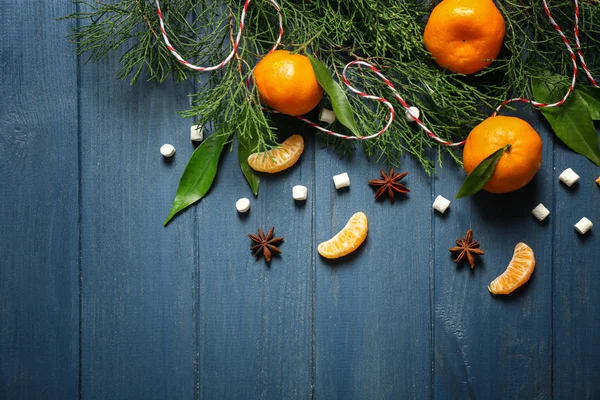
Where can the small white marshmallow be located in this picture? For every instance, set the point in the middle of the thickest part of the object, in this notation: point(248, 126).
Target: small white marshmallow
point(197, 133)
point(327, 116)
point(412, 113)
point(568, 177)
point(441, 204)
point(167, 150)
point(540, 212)
point(299, 192)
point(242, 205)
point(583, 225)
point(341, 180)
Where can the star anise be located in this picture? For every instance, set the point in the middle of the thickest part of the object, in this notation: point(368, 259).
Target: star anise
point(265, 245)
point(468, 248)
point(389, 184)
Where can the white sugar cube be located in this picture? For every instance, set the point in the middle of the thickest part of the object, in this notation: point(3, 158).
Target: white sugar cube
point(441, 204)
point(327, 116)
point(583, 225)
point(540, 212)
point(341, 180)
point(197, 133)
point(242, 205)
point(412, 113)
point(299, 192)
point(568, 177)
point(167, 150)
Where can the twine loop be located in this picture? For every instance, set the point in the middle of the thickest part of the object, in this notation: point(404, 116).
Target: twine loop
point(390, 85)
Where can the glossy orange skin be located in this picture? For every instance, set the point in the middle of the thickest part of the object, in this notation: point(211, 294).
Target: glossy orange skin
point(287, 82)
point(464, 36)
point(517, 166)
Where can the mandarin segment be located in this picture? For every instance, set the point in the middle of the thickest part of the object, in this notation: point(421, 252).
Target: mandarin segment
point(287, 82)
point(518, 272)
point(517, 166)
point(348, 239)
point(464, 36)
point(279, 158)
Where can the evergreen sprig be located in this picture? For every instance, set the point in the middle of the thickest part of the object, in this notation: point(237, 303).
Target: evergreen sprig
point(387, 33)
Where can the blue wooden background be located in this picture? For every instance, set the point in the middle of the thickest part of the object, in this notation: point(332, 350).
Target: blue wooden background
point(98, 300)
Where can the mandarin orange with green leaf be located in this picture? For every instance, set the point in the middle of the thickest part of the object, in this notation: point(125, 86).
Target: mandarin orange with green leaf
point(287, 82)
point(464, 36)
point(518, 164)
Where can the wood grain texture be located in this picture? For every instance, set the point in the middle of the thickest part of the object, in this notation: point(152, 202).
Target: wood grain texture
point(576, 280)
point(137, 276)
point(372, 308)
point(39, 311)
point(254, 320)
point(98, 300)
point(490, 346)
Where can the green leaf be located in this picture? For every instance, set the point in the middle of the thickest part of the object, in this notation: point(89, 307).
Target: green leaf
point(591, 96)
point(199, 174)
point(482, 173)
point(339, 101)
point(571, 122)
point(245, 148)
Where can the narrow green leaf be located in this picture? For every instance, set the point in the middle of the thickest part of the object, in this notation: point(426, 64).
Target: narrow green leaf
point(571, 122)
point(482, 173)
point(245, 148)
point(199, 174)
point(339, 101)
point(591, 96)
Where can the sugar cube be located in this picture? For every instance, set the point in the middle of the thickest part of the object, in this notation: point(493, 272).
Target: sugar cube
point(197, 133)
point(242, 205)
point(568, 177)
point(412, 113)
point(583, 225)
point(327, 116)
point(540, 212)
point(341, 180)
point(299, 192)
point(167, 150)
point(441, 204)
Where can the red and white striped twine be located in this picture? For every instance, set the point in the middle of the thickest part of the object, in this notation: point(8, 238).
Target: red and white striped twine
point(384, 79)
point(573, 59)
point(236, 43)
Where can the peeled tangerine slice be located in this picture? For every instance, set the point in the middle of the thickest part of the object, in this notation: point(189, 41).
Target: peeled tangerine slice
point(518, 272)
point(348, 239)
point(279, 158)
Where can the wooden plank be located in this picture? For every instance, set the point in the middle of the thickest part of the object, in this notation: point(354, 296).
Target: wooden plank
point(254, 321)
point(493, 346)
point(576, 298)
point(39, 310)
point(372, 308)
point(137, 322)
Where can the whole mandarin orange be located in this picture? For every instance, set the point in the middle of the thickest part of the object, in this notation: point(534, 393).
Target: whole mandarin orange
point(464, 36)
point(518, 165)
point(287, 82)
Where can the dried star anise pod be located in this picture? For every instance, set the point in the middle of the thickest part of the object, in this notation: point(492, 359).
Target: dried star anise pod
point(468, 248)
point(265, 245)
point(389, 184)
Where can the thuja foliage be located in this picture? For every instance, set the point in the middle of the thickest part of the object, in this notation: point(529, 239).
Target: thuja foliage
point(387, 33)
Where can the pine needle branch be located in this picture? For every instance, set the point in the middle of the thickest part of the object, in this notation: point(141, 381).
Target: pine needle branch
point(387, 33)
